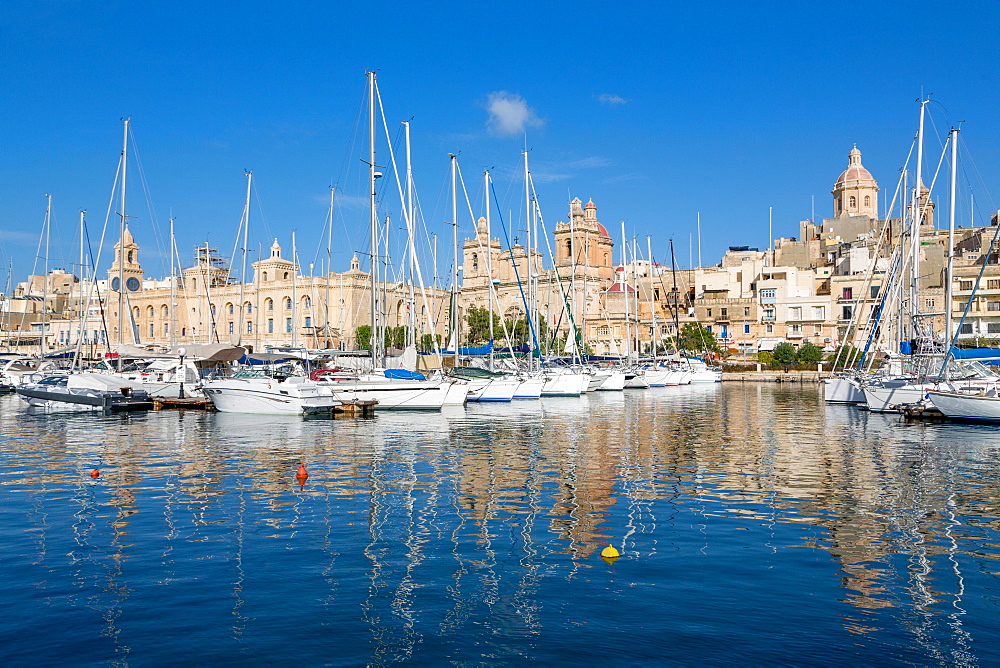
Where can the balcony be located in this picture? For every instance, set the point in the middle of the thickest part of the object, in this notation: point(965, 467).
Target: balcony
point(793, 335)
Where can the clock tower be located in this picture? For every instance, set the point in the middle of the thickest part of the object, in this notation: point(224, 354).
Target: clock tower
point(125, 272)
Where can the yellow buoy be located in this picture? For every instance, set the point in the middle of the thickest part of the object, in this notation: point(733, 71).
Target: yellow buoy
point(610, 553)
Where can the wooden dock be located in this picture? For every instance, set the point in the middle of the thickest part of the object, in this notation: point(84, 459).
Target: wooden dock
point(914, 412)
point(356, 408)
point(194, 404)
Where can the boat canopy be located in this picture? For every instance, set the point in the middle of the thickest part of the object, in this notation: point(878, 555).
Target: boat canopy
point(976, 353)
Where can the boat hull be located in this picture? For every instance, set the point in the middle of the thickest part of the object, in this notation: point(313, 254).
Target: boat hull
point(966, 407)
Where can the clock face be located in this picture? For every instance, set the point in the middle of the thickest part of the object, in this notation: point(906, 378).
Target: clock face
point(132, 283)
point(116, 283)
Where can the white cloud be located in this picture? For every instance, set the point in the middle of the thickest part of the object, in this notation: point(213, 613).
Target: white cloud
point(609, 98)
point(509, 113)
point(19, 238)
point(590, 162)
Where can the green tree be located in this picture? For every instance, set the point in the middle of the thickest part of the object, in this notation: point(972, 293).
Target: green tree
point(363, 336)
point(695, 337)
point(784, 352)
point(809, 354)
point(477, 322)
point(765, 357)
point(845, 356)
point(429, 343)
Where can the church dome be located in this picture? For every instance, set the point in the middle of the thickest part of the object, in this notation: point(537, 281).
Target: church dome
point(855, 170)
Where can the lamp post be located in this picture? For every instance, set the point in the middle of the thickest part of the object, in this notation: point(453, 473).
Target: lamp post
point(183, 371)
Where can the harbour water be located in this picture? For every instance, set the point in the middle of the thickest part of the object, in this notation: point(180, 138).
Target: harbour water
point(756, 525)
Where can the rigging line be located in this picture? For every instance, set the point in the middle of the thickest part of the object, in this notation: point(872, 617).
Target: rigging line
point(260, 211)
point(975, 167)
point(517, 277)
point(555, 271)
point(145, 191)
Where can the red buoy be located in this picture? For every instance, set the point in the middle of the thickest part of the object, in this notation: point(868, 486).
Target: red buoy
point(301, 475)
point(95, 474)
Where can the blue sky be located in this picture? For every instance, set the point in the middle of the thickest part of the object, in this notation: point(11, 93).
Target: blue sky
point(657, 111)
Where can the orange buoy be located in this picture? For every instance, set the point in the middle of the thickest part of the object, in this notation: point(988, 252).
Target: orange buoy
point(95, 474)
point(301, 475)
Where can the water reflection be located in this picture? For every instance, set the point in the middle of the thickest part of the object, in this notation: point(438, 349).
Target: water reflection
point(473, 534)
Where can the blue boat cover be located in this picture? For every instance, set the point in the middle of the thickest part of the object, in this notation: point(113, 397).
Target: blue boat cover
point(403, 374)
point(481, 350)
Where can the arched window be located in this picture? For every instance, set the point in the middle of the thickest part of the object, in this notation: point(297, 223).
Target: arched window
point(868, 200)
point(269, 304)
point(264, 276)
point(213, 310)
point(248, 307)
point(130, 256)
point(183, 331)
point(285, 276)
point(605, 259)
point(288, 303)
point(135, 312)
point(149, 312)
point(229, 308)
point(475, 262)
point(852, 201)
point(569, 247)
point(306, 302)
point(165, 311)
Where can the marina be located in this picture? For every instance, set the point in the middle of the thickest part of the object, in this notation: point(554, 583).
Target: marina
point(756, 524)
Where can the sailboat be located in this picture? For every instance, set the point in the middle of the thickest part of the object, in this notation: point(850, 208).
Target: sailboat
point(392, 388)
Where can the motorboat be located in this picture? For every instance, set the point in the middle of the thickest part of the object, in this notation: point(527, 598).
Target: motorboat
point(258, 391)
point(83, 391)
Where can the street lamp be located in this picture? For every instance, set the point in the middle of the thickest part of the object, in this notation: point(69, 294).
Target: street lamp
point(181, 352)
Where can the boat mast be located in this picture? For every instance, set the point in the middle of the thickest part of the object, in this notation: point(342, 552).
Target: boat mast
point(79, 303)
point(529, 314)
point(635, 278)
point(411, 330)
point(121, 241)
point(948, 287)
point(45, 276)
point(674, 297)
point(918, 211)
point(243, 267)
point(624, 287)
point(489, 258)
point(295, 296)
point(326, 279)
point(373, 222)
point(454, 267)
point(172, 309)
point(652, 302)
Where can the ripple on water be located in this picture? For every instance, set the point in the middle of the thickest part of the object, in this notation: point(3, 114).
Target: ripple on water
point(756, 524)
